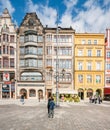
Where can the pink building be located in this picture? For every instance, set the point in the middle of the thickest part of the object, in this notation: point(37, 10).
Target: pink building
point(107, 65)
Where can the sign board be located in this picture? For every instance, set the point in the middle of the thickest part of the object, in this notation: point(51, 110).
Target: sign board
point(6, 76)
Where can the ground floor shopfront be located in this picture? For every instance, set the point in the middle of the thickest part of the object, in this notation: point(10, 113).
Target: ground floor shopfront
point(84, 93)
point(7, 90)
point(31, 90)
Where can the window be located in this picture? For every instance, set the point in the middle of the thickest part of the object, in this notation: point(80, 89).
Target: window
point(66, 78)
point(64, 63)
point(22, 63)
point(31, 63)
point(31, 76)
point(98, 52)
point(98, 79)
point(49, 38)
point(32, 93)
point(12, 76)
point(83, 42)
point(40, 38)
point(0, 50)
point(5, 49)
point(5, 62)
point(1, 76)
point(65, 51)
point(80, 78)
point(89, 52)
point(89, 66)
point(11, 50)
point(22, 39)
point(22, 50)
point(89, 79)
point(98, 66)
point(39, 63)
point(30, 38)
point(5, 38)
point(0, 38)
point(12, 38)
point(89, 41)
point(49, 62)
point(80, 52)
point(108, 66)
point(49, 50)
point(0, 63)
point(108, 54)
point(39, 50)
point(12, 62)
point(79, 65)
point(95, 41)
point(31, 50)
point(107, 80)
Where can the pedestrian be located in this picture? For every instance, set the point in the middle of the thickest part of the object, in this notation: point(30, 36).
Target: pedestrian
point(90, 99)
point(51, 108)
point(22, 99)
point(99, 99)
point(49, 99)
point(95, 99)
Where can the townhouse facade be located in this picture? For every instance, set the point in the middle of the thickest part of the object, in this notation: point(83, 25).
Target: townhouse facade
point(59, 50)
point(107, 64)
point(89, 64)
point(30, 62)
point(7, 56)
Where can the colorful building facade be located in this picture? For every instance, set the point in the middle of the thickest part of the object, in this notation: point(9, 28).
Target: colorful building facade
point(7, 56)
point(107, 64)
point(89, 64)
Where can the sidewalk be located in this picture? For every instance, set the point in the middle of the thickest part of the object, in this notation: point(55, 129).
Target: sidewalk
point(34, 102)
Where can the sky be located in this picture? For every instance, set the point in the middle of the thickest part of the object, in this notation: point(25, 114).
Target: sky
point(91, 16)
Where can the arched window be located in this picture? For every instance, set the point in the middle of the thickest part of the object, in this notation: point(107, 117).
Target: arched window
point(32, 93)
point(31, 76)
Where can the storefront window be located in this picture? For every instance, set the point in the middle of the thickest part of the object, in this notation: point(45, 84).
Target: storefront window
point(32, 93)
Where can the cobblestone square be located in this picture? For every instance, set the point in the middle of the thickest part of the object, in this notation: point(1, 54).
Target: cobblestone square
point(69, 116)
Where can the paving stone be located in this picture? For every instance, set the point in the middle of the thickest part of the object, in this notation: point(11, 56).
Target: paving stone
point(69, 116)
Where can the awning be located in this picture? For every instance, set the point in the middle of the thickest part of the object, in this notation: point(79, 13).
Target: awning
point(106, 91)
point(65, 91)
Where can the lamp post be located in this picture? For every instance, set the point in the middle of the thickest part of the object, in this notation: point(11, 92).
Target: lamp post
point(57, 67)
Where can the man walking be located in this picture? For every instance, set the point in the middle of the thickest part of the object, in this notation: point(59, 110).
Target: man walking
point(51, 108)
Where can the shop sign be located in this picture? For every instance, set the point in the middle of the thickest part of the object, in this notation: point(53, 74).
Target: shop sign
point(6, 76)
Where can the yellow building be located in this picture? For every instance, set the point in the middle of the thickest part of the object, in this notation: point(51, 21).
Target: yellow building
point(89, 64)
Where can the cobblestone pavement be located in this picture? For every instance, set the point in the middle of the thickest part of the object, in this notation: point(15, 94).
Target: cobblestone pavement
point(69, 116)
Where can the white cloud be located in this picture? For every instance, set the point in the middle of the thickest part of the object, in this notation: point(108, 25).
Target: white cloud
point(93, 17)
point(70, 3)
point(6, 4)
point(47, 15)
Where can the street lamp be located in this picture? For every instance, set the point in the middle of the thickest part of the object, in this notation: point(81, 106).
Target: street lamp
point(57, 76)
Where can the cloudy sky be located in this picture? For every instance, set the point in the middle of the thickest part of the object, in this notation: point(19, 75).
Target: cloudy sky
point(83, 15)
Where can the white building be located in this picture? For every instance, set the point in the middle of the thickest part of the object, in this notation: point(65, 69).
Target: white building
point(7, 56)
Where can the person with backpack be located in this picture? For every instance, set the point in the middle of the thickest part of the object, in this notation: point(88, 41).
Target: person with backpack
point(51, 108)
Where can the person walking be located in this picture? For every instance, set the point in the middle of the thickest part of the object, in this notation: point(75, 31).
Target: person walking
point(48, 104)
point(51, 108)
point(22, 99)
